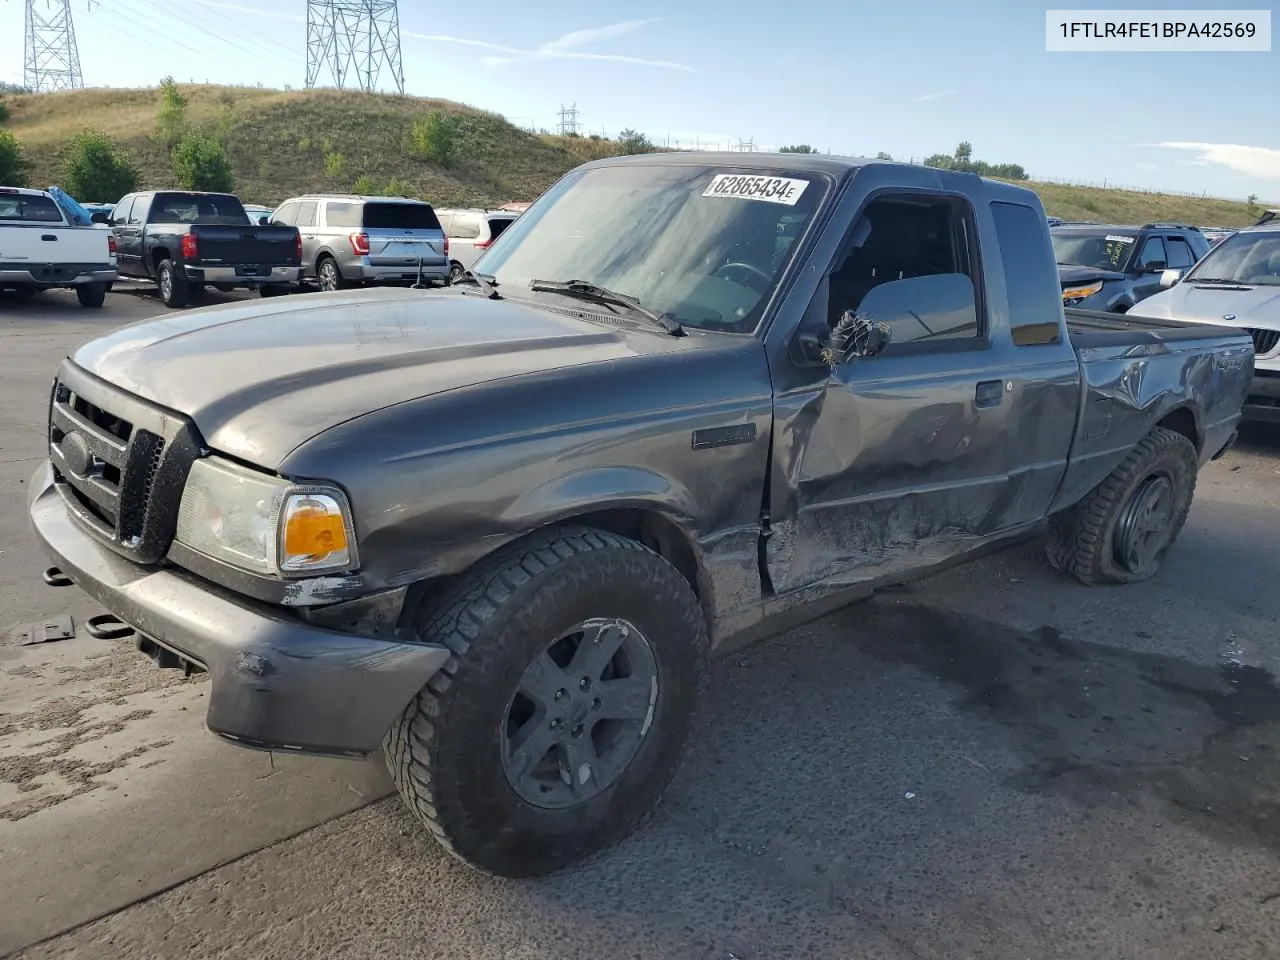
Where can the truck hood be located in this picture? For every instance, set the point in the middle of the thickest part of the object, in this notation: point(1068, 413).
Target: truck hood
point(1071, 275)
point(261, 377)
point(1257, 306)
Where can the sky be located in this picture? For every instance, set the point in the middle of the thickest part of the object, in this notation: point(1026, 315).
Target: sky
point(910, 78)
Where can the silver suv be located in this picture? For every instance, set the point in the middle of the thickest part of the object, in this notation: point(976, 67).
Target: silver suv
point(470, 232)
point(349, 240)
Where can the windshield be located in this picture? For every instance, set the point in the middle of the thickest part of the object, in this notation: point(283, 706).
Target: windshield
point(703, 245)
point(207, 208)
point(1101, 250)
point(1252, 258)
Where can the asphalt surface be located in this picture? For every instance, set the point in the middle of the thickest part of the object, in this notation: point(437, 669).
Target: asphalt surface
point(994, 763)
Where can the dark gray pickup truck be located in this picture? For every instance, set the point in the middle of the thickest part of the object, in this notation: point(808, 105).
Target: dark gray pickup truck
point(495, 529)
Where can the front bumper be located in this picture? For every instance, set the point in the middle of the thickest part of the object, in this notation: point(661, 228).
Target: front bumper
point(235, 276)
point(58, 277)
point(277, 682)
point(1263, 402)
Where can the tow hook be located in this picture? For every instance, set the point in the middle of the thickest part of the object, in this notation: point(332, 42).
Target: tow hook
point(107, 626)
point(55, 578)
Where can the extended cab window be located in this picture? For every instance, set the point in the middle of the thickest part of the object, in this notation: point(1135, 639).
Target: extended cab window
point(29, 208)
point(896, 242)
point(1031, 279)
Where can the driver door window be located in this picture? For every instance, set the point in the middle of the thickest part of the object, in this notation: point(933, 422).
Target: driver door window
point(896, 241)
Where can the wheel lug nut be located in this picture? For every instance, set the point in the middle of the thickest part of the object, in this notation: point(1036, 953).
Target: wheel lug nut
point(560, 694)
point(595, 704)
point(584, 683)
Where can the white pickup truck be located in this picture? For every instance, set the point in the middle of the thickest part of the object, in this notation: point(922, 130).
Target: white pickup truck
point(40, 250)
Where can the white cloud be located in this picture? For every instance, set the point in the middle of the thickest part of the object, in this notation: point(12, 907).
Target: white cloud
point(562, 48)
point(1255, 161)
point(935, 96)
point(1146, 165)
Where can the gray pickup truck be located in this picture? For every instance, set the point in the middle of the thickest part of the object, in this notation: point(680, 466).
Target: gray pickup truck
point(495, 529)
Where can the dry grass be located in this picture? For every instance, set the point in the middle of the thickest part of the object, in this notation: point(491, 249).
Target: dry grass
point(285, 143)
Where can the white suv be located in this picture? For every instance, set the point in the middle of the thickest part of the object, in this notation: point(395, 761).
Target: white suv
point(470, 232)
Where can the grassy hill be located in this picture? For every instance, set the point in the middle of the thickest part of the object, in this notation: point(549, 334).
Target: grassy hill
point(285, 143)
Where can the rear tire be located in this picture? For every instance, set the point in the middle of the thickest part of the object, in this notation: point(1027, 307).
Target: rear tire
point(91, 295)
point(329, 276)
point(455, 272)
point(1122, 530)
point(174, 290)
point(452, 752)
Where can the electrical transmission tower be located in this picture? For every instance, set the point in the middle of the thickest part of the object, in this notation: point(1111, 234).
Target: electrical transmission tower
point(354, 41)
point(568, 120)
point(745, 146)
point(52, 58)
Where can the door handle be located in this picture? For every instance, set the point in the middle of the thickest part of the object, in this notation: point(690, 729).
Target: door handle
point(989, 393)
point(49, 236)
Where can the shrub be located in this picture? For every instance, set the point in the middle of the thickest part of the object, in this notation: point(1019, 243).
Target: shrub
point(171, 119)
point(13, 165)
point(97, 170)
point(200, 163)
point(434, 139)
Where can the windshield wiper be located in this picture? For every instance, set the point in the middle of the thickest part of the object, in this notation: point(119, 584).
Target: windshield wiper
point(488, 286)
point(1234, 283)
point(592, 291)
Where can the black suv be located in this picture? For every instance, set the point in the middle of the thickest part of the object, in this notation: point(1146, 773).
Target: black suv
point(1111, 267)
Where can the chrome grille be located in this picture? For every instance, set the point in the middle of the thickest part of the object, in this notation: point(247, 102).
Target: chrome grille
point(119, 463)
point(1264, 341)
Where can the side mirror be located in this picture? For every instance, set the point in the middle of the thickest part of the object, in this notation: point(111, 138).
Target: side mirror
point(857, 335)
point(100, 217)
point(264, 221)
point(1155, 266)
point(1169, 277)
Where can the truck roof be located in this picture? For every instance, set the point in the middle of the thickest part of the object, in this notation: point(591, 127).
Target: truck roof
point(838, 167)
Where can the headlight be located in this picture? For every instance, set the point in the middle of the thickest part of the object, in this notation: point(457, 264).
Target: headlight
point(264, 524)
point(1073, 295)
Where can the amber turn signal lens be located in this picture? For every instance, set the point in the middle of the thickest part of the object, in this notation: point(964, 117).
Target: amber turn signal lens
point(315, 533)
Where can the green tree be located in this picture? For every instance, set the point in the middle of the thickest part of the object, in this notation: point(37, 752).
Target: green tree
point(964, 155)
point(434, 138)
point(200, 163)
point(883, 156)
point(1252, 208)
point(797, 148)
point(171, 120)
point(98, 171)
point(13, 165)
point(632, 142)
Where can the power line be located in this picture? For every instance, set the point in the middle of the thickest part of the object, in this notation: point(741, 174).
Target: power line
point(52, 59)
point(354, 40)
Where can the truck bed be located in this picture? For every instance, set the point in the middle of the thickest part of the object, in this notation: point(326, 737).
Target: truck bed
point(1094, 329)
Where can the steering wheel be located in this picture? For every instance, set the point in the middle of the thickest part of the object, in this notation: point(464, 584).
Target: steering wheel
point(745, 268)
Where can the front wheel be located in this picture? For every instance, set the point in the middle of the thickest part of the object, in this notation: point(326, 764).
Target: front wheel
point(560, 719)
point(91, 295)
point(1122, 530)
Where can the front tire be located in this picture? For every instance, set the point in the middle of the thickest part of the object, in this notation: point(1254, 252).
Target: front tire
point(92, 295)
point(1122, 530)
point(556, 726)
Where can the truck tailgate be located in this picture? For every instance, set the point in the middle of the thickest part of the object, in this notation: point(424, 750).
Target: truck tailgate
point(53, 244)
point(225, 245)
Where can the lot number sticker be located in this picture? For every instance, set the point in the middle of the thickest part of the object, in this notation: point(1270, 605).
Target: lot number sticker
point(770, 189)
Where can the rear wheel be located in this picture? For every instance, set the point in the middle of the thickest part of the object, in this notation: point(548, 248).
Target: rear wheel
point(328, 276)
point(1122, 530)
point(563, 714)
point(91, 295)
point(174, 290)
point(455, 272)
